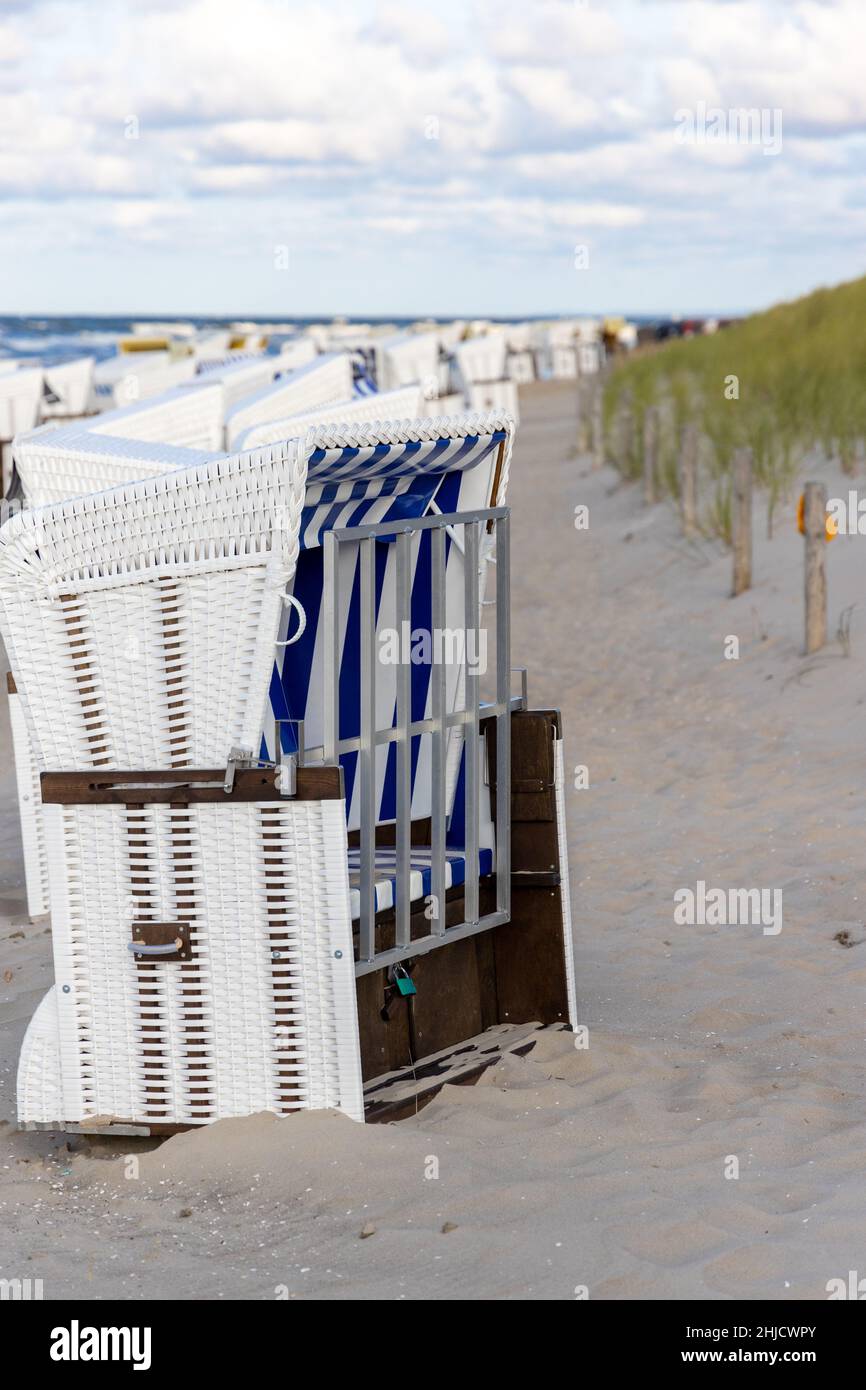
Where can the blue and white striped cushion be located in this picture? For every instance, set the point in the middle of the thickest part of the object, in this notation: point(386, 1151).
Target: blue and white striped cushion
point(420, 876)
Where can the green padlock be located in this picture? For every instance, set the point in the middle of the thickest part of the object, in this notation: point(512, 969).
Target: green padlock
point(404, 982)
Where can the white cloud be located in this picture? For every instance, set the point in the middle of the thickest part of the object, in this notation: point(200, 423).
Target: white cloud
point(469, 132)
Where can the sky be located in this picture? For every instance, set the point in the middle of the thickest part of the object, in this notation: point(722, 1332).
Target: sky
point(490, 157)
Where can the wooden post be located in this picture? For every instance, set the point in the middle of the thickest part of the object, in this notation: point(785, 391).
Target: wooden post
point(689, 478)
point(584, 415)
point(650, 444)
point(580, 431)
point(814, 523)
point(742, 521)
point(598, 422)
point(624, 434)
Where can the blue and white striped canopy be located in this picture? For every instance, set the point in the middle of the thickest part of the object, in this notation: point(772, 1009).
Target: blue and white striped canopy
point(351, 485)
point(386, 482)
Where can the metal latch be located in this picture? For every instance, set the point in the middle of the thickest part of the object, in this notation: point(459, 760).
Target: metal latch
point(238, 757)
point(287, 774)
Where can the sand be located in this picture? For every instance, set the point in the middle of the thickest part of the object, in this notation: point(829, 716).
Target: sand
point(567, 1173)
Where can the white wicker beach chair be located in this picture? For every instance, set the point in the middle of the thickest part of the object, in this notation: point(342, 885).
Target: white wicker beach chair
point(297, 352)
point(69, 389)
point(20, 400)
point(134, 376)
point(202, 939)
point(328, 378)
point(481, 359)
point(240, 377)
point(205, 955)
point(406, 359)
point(494, 395)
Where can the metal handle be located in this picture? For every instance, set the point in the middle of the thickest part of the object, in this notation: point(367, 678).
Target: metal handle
point(170, 948)
point(291, 602)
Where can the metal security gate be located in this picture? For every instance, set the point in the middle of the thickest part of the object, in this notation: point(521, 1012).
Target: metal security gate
point(472, 526)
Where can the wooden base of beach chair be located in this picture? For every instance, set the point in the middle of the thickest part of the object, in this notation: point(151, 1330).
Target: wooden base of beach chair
point(387, 1099)
point(517, 973)
point(471, 994)
point(404, 1093)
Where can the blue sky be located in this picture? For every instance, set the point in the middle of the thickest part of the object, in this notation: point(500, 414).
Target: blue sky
point(280, 157)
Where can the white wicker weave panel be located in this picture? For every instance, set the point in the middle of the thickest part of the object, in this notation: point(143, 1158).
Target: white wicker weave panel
point(57, 464)
point(30, 812)
point(316, 384)
point(38, 1083)
point(190, 417)
point(236, 1029)
point(201, 638)
point(37, 633)
point(95, 643)
point(277, 914)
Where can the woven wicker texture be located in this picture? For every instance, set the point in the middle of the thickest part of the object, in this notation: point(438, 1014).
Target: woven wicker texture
point(140, 625)
point(30, 812)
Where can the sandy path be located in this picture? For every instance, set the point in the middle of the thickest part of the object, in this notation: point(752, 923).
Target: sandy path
point(603, 1168)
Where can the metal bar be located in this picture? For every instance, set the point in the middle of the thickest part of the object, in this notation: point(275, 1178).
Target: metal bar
point(439, 734)
point(422, 944)
point(419, 523)
point(314, 755)
point(403, 827)
point(503, 719)
point(367, 754)
point(331, 690)
point(418, 726)
point(472, 623)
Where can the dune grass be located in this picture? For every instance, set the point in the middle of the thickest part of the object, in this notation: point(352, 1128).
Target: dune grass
point(782, 382)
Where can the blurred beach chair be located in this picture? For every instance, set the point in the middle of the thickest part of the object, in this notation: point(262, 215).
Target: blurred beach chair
point(211, 957)
point(480, 371)
point(182, 427)
point(128, 378)
point(21, 393)
point(326, 378)
point(408, 359)
point(69, 390)
point(297, 352)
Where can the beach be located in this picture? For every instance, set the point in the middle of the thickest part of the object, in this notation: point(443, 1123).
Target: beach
point(601, 1171)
